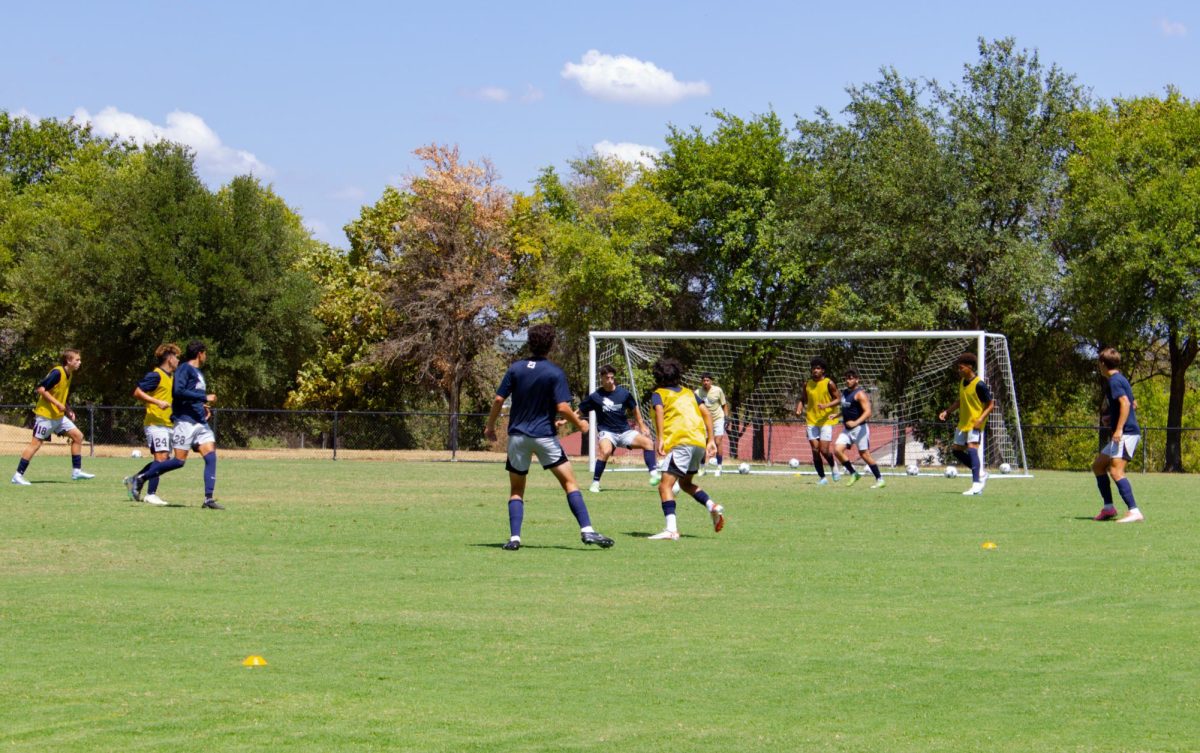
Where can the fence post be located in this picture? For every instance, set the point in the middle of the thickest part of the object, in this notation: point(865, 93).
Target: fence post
point(91, 430)
point(335, 434)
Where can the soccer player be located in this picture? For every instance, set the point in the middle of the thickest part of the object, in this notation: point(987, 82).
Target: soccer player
point(539, 393)
point(190, 411)
point(52, 415)
point(820, 390)
point(685, 436)
point(974, 405)
point(714, 400)
point(155, 390)
point(856, 409)
point(1110, 461)
point(613, 404)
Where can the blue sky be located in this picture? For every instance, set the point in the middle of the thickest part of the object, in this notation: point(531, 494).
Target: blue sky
point(326, 101)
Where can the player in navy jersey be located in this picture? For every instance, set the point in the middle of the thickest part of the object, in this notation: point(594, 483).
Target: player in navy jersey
point(613, 404)
point(1111, 460)
point(540, 395)
point(190, 411)
point(856, 409)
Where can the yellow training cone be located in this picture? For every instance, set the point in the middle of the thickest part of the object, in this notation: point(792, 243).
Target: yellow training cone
point(254, 661)
point(989, 545)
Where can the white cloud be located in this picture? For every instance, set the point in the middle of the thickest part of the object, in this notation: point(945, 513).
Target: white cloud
point(23, 114)
point(636, 154)
point(213, 158)
point(532, 94)
point(620, 78)
point(491, 94)
point(1172, 28)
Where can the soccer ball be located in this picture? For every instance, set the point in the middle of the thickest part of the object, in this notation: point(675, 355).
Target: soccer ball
point(912, 469)
point(794, 463)
point(951, 471)
point(1005, 468)
point(712, 460)
point(743, 468)
point(135, 454)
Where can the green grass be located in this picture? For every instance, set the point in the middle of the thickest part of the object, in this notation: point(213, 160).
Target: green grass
point(821, 619)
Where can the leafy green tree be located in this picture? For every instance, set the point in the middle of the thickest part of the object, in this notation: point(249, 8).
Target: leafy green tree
point(1130, 235)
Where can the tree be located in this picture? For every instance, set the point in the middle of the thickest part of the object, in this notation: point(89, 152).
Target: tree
point(1130, 235)
point(446, 245)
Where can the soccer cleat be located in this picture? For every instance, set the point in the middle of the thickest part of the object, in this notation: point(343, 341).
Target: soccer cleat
point(593, 537)
point(718, 471)
point(211, 504)
point(718, 518)
point(975, 490)
point(822, 481)
point(675, 488)
point(78, 475)
point(665, 536)
point(1106, 513)
point(983, 477)
point(853, 479)
point(154, 499)
point(701, 471)
point(595, 487)
point(836, 477)
point(879, 484)
point(131, 486)
point(655, 477)
point(1133, 516)
point(512, 545)
point(19, 480)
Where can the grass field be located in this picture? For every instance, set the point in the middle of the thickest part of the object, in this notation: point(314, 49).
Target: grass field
point(821, 619)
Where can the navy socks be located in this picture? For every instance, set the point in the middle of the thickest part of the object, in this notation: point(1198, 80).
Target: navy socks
point(578, 508)
point(516, 515)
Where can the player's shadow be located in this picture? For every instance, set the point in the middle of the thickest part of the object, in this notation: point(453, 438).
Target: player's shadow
point(647, 535)
point(580, 548)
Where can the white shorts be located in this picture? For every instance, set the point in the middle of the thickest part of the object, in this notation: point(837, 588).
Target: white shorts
point(964, 438)
point(625, 439)
point(1124, 449)
point(859, 436)
point(823, 433)
point(189, 436)
point(521, 450)
point(684, 460)
point(158, 438)
point(719, 427)
point(44, 427)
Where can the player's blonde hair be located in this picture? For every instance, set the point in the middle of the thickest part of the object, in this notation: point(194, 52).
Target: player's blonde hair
point(163, 351)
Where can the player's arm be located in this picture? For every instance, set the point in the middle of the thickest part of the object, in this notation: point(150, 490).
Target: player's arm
point(953, 407)
point(566, 411)
point(710, 445)
point(150, 382)
point(45, 393)
point(489, 428)
point(800, 408)
point(865, 402)
point(984, 394)
point(1122, 416)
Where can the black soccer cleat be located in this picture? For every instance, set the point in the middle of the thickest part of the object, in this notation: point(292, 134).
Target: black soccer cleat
point(512, 545)
point(599, 539)
point(211, 504)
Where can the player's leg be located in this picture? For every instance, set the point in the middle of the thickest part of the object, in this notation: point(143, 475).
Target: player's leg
point(814, 444)
point(1100, 465)
point(646, 445)
point(208, 452)
point(517, 464)
point(864, 454)
point(842, 457)
point(826, 448)
point(1116, 470)
point(75, 437)
point(560, 466)
point(718, 437)
point(715, 511)
point(159, 439)
point(35, 444)
point(604, 451)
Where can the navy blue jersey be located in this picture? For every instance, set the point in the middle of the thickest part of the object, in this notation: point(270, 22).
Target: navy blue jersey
point(1119, 386)
point(852, 410)
point(189, 395)
point(537, 386)
point(611, 408)
point(149, 383)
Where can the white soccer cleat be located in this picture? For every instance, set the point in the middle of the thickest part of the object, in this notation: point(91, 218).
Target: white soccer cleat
point(983, 477)
point(595, 487)
point(718, 518)
point(154, 499)
point(665, 536)
point(675, 488)
point(655, 477)
point(700, 472)
point(78, 475)
point(1133, 516)
point(878, 484)
point(975, 490)
point(836, 477)
point(718, 471)
point(19, 480)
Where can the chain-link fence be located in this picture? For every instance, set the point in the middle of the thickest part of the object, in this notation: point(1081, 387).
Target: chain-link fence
point(116, 430)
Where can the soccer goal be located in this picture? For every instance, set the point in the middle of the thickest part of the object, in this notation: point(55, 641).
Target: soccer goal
point(908, 375)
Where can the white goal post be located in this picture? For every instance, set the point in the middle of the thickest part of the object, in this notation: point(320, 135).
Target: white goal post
point(909, 376)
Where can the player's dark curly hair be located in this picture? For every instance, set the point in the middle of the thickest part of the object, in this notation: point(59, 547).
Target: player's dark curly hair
point(608, 369)
point(667, 372)
point(194, 348)
point(967, 359)
point(819, 362)
point(541, 339)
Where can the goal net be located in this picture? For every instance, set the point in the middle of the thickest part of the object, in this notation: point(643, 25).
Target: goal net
point(909, 377)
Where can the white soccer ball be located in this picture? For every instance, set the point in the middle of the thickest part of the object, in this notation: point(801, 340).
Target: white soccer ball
point(743, 468)
point(794, 462)
point(951, 471)
point(135, 454)
point(1005, 468)
point(712, 460)
point(912, 469)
